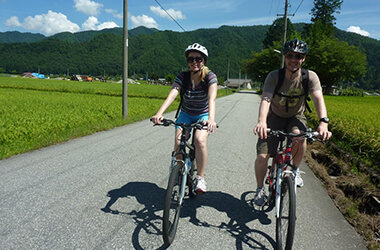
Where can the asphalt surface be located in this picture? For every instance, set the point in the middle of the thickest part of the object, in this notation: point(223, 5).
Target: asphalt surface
point(106, 191)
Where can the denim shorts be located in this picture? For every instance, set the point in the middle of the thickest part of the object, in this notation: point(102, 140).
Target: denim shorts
point(185, 118)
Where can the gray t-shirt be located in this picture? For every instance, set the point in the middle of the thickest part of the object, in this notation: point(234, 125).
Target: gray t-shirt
point(294, 87)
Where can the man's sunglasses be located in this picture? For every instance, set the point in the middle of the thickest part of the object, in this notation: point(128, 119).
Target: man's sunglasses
point(197, 59)
point(296, 56)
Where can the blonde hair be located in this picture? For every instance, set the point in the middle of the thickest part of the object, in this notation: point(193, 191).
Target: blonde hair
point(204, 71)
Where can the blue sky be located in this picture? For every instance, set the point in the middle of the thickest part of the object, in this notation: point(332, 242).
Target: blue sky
point(49, 17)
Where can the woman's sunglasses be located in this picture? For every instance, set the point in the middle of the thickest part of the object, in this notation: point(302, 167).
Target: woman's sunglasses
point(197, 59)
point(296, 56)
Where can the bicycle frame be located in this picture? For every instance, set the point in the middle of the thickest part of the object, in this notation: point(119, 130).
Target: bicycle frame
point(283, 159)
point(284, 200)
point(181, 173)
point(186, 160)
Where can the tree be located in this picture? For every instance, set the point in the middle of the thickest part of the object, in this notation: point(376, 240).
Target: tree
point(170, 78)
point(276, 30)
point(154, 76)
point(323, 19)
point(261, 63)
point(335, 61)
point(324, 9)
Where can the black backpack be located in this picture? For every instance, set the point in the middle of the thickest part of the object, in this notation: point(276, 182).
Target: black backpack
point(305, 85)
point(187, 85)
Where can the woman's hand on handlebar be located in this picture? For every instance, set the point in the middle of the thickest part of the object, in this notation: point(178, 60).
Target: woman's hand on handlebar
point(211, 126)
point(156, 119)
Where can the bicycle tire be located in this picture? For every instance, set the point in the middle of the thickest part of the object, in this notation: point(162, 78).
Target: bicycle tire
point(286, 222)
point(172, 208)
point(272, 188)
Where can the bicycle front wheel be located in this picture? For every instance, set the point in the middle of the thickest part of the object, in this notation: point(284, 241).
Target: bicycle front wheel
point(172, 206)
point(191, 179)
point(286, 222)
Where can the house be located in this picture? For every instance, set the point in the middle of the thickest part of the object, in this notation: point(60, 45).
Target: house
point(238, 83)
point(76, 78)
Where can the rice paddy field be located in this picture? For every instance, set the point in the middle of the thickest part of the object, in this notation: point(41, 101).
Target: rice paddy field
point(354, 121)
point(35, 113)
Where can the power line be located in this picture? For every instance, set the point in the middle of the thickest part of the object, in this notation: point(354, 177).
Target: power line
point(170, 16)
point(298, 7)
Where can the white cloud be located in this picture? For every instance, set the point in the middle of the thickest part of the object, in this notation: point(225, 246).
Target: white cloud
point(92, 23)
point(143, 20)
point(88, 7)
point(13, 22)
point(357, 30)
point(49, 23)
point(115, 13)
point(176, 14)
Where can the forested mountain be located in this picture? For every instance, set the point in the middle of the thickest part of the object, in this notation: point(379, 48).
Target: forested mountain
point(83, 36)
point(160, 52)
point(18, 37)
point(150, 51)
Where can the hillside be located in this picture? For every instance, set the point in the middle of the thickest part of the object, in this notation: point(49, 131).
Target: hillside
point(83, 36)
point(150, 51)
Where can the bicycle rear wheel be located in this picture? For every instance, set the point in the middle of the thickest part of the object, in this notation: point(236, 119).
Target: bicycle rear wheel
point(172, 206)
point(286, 222)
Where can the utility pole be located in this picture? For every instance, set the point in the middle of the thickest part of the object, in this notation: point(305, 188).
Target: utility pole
point(228, 75)
point(125, 60)
point(285, 28)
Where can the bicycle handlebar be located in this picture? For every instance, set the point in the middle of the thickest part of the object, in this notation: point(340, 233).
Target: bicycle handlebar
point(279, 133)
point(168, 122)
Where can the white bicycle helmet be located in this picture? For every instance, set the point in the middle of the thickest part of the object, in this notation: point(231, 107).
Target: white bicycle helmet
point(197, 47)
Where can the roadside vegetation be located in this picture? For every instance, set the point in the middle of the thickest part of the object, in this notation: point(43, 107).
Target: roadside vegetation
point(348, 165)
point(37, 113)
point(354, 121)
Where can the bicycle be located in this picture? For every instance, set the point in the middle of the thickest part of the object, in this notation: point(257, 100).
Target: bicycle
point(282, 186)
point(182, 175)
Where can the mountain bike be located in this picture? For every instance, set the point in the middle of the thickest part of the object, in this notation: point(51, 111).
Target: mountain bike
point(282, 186)
point(181, 176)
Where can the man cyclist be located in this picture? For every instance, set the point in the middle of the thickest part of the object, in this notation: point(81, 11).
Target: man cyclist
point(284, 110)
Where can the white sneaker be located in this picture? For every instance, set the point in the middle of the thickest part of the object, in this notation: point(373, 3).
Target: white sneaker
point(299, 180)
point(201, 185)
point(260, 197)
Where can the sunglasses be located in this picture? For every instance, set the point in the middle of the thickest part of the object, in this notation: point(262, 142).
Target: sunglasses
point(197, 59)
point(296, 56)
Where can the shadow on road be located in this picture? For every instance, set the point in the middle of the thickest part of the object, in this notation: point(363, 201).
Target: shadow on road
point(239, 212)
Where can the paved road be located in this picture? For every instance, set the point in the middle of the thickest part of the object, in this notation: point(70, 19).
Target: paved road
point(53, 198)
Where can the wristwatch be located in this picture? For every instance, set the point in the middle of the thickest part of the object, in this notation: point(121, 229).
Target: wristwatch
point(324, 119)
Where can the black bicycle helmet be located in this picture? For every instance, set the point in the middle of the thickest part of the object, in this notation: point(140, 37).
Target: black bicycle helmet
point(295, 45)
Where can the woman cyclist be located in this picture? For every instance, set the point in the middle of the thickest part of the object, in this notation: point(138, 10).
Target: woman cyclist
point(199, 87)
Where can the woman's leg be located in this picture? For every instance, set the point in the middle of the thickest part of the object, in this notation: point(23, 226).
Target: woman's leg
point(201, 151)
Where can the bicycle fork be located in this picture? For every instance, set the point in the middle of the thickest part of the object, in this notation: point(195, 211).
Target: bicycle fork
point(184, 171)
point(282, 171)
point(278, 191)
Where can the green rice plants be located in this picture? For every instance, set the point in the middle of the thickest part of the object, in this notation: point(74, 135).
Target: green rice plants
point(36, 113)
point(354, 122)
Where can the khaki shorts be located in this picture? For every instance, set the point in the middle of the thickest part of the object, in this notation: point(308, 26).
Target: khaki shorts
point(270, 145)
